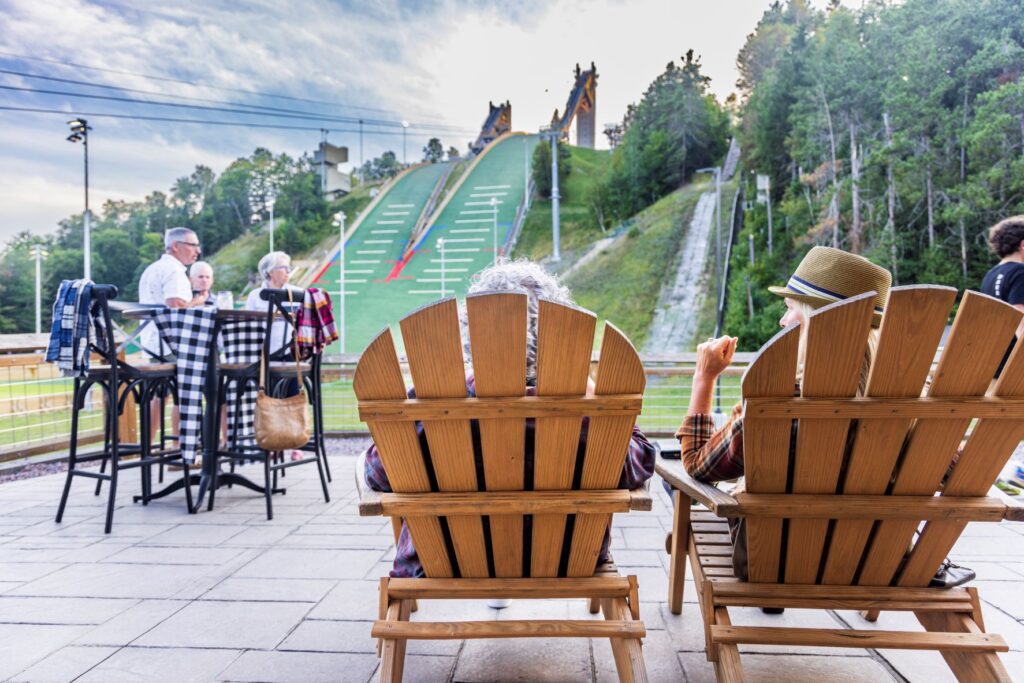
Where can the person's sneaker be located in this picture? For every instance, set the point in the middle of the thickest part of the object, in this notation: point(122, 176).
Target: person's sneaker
point(499, 603)
point(668, 543)
point(773, 610)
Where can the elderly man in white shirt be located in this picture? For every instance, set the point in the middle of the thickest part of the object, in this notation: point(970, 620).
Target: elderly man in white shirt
point(165, 282)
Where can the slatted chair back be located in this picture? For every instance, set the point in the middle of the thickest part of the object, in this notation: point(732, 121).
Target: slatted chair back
point(492, 489)
point(828, 449)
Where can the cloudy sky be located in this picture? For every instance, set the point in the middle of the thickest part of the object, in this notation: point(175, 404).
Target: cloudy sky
point(434, 64)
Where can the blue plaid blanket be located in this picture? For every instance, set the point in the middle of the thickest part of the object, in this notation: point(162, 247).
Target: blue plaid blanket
point(71, 329)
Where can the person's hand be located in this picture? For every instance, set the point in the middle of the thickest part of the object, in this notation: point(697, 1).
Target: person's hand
point(714, 356)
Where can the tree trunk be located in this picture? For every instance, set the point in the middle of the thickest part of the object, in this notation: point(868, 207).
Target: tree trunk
point(890, 182)
point(855, 223)
point(835, 176)
point(963, 179)
point(928, 191)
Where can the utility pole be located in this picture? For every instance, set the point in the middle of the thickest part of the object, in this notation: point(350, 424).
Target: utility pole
point(440, 252)
point(556, 228)
point(494, 213)
point(339, 221)
point(768, 196)
point(323, 162)
point(361, 161)
point(39, 254)
point(405, 129)
point(271, 199)
point(80, 133)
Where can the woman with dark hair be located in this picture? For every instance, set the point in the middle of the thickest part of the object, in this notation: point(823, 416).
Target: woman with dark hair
point(1005, 281)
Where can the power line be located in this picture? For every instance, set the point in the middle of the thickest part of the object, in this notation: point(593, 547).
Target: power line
point(211, 101)
point(171, 119)
point(194, 84)
point(129, 100)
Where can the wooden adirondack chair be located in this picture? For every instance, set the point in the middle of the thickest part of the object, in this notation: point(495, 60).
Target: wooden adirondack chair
point(838, 486)
point(495, 535)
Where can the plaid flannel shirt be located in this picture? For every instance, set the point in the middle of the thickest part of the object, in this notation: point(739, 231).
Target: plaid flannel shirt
point(71, 328)
point(637, 469)
point(709, 455)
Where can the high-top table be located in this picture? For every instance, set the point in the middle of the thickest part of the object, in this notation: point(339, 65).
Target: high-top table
point(209, 427)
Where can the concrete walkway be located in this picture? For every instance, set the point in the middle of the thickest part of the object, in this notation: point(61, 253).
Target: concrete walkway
point(229, 596)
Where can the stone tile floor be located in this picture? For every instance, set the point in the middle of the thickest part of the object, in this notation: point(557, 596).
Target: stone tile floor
point(228, 596)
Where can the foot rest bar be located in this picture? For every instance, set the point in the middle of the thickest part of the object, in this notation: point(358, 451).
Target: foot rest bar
point(596, 587)
point(819, 637)
point(534, 628)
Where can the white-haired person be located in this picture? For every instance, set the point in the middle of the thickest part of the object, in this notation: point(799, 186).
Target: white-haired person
point(200, 275)
point(536, 283)
point(275, 271)
point(166, 283)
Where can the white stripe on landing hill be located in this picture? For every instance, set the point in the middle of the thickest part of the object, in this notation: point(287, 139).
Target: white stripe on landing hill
point(398, 206)
point(482, 203)
point(455, 251)
point(461, 231)
point(358, 272)
point(449, 260)
point(474, 220)
point(348, 292)
point(371, 251)
point(395, 213)
point(488, 194)
point(491, 187)
point(388, 222)
point(474, 211)
point(357, 282)
point(462, 239)
point(383, 232)
point(377, 241)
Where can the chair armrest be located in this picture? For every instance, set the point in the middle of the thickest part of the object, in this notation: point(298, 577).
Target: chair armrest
point(718, 501)
point(640, 498)
point(369, 500)
point(1014, 506)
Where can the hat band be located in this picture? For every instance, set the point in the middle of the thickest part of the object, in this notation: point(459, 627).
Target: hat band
point(801, 286)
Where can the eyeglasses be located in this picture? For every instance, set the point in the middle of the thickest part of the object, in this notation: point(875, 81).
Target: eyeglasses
point(194, 245)
point(287, 268)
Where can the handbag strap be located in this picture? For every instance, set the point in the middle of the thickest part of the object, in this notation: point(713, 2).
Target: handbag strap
point(265, 360)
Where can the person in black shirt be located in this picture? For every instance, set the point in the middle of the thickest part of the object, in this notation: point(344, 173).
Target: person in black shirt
point(1006, 280)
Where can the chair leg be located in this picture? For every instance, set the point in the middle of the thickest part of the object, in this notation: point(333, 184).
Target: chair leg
point(267, 486)
point(112, 494)
point(870, 615)
point(966, 666)
point(215, 469)
point(320, 462)
point(629, 657)
point(594, 605)
point(72, 454)
point(392, 661)
point(728, 668)
point(106, 449)
point(680, 546)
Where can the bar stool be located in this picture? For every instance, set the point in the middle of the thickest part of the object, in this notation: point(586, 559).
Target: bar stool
point(118, 382)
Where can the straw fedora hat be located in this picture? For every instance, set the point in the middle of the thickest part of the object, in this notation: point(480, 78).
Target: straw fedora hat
point(826, 275)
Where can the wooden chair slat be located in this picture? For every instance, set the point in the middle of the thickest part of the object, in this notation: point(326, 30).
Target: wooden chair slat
point(619, 370)
point(988, 448)
point(565, 337)
point(497, 334)
point(836, 342)
point(766, 447)
point(434, 346)
point(965, 368)
point(911, 331)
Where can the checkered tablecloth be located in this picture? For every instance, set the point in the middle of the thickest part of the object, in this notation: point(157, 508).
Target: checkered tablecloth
point(189, 334)
point(242, 342)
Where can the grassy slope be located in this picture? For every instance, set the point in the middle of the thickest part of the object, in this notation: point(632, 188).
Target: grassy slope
point(578, 228)
point(236, 261)
point(622, 284)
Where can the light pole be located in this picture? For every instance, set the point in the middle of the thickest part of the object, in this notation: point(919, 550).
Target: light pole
point(494, 212)
point(339, 222)
point(526, 174)
point(405, 129)
point(38, 253)
point(271, 198)
point(440, 251)
point(556, 227)
point(80, 133)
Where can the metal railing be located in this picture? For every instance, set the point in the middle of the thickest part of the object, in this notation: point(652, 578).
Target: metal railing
point(35, 401)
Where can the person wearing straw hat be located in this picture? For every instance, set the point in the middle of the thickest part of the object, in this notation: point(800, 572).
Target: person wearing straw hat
point(824, 276)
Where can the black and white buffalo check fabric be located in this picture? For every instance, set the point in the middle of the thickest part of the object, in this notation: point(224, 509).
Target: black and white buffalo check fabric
point(242, 342)
point(189, 333)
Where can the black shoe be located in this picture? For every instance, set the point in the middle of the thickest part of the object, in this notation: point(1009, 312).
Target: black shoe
point(773, 610)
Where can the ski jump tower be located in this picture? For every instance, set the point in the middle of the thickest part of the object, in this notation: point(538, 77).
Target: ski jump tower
point(497, 123)
point(582, 106)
